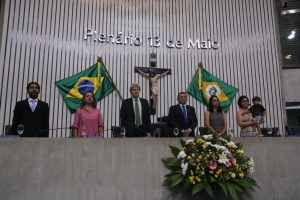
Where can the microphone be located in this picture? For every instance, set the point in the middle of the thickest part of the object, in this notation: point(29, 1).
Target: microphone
point(135, 127)
point(51, 129)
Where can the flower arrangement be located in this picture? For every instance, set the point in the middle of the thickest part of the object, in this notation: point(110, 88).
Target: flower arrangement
point(207, 162)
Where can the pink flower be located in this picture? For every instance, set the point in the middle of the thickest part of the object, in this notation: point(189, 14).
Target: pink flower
point(212, 165)
point(229, 155)
point(228, 164)
point(233, 160)
point(241, 174)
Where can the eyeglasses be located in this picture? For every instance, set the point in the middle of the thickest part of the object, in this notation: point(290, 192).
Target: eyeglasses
point(245, 101)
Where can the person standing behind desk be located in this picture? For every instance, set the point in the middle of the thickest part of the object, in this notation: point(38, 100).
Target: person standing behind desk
point(89, 116)
point(135, 114)
point(243, 117)
point(215, 118)
point(183, 117)
point(32, 113)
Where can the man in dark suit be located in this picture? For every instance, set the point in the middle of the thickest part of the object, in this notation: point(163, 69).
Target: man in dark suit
point(183, 117)
point(135, 114)
point(32, 113)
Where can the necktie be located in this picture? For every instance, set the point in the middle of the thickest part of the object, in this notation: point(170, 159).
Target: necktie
point(185, 115)
point(32, 105)
point(137, 114)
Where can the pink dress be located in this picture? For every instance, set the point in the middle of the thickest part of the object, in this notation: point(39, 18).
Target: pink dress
point(90, 119)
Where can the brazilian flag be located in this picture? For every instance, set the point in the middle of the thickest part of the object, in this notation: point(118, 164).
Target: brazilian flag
point(204, 85)
point(93, 79)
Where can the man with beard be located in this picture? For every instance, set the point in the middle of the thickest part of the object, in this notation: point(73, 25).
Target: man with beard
point(32, 113)
point(135, 114)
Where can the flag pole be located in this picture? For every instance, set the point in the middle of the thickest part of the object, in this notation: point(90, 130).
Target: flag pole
point(200, 65)
point(100, 60)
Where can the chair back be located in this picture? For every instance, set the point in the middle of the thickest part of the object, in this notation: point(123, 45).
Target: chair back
point(264, 131)
point(115, 132)
point(203, 130)
point(296, 130)
point(8, 130)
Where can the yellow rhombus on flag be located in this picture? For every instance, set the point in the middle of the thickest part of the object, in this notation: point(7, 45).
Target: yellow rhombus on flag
point(93, 79)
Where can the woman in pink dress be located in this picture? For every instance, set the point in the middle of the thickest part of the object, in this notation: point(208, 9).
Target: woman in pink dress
point(88, 117)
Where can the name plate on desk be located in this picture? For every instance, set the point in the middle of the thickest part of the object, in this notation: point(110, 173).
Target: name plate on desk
point(95, 136)
point(10, 136)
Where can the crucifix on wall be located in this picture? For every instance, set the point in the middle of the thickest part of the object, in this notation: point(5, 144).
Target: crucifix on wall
point(153, 74)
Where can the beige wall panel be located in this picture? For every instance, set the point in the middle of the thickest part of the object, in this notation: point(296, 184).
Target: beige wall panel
point(291, 85)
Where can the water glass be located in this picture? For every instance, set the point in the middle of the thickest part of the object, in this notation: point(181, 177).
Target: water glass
point(176, 131)
point(123, 130)
point(20, 129)
point(83, 131)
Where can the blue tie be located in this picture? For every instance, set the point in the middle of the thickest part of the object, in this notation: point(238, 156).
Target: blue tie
point(32, 105)
point(185, 115)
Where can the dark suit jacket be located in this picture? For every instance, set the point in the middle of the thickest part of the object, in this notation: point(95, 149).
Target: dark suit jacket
point(32, 121)
point(127, 114)
point(176, 118)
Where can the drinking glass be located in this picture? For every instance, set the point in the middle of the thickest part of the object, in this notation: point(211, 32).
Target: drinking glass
point(20, 129)
point(269, 130)
point(83, 131)
point(230, 132)
point(123, 131)
point(176, 131)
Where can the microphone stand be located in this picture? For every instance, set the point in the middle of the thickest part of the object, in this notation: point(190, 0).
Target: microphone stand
point(51, 129)
point(136, 127)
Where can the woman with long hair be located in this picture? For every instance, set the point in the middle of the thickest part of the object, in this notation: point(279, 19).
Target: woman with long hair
point(214, 117)
point(244, 117)
point(88, 119)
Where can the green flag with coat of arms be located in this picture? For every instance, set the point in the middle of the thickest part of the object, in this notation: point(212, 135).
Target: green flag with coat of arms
point(204, 85)
point(93, 79)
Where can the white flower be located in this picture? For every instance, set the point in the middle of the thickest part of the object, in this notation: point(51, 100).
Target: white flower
point(207, 143)
point(223, 140)
point(251, 169)
point(184, 167)
point(223, 158)
point(223, 148)
point(208, 137)
point(181, 154)
point(232, 144)
point(227, 151)
point(189, 142)
point(233, 175)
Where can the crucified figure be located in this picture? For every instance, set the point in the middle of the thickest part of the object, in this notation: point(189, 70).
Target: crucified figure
point(154, 86)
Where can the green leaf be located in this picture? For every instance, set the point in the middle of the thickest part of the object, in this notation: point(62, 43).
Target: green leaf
point(239, 186)
point(197, 136)
point(231, 190)
point(208, 189)
point(171, 161)
point(247, 182)
point(174, 150)
point(198, 187)
point(174, 172)
point(187, 182)
point(182, 142)
point(223, 185)
point(177, 180)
